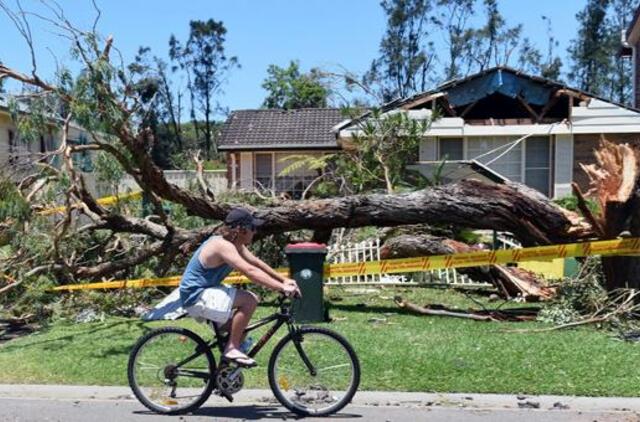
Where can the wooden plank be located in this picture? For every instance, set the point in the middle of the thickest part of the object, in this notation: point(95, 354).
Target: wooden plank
point(423, 100)
point(468, 108)
point(548, 106)
point(447, 107)
point(527, 107)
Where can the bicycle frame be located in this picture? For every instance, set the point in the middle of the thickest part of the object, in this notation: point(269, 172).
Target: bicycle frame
point(282, 317)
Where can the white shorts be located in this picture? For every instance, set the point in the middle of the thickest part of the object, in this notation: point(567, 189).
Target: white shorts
point(214, 303)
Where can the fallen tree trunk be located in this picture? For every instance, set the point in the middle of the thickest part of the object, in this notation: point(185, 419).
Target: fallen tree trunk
point(470, 203)
point(473, 204)
point(510, 281)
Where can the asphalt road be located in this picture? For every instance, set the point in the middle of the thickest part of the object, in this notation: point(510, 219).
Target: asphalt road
point(41, 410)
point(25, 403)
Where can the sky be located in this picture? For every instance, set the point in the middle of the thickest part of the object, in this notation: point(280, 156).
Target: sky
point(330, 34)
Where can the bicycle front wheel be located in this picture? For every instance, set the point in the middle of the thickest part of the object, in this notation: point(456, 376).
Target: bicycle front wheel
point(170, 370)
point(314, 371)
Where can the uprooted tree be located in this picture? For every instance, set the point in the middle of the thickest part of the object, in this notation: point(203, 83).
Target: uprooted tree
point(89, 241)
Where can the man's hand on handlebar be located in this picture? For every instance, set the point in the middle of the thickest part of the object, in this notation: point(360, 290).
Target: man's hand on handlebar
point(290, 288)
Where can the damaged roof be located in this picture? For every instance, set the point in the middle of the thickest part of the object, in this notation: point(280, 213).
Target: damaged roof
point(490, 89)
point(307, 128)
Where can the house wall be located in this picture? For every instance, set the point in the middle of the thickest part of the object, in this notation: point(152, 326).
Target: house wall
point(5, 126)
point(584, 146)
point(233, 169)
point(21, 150)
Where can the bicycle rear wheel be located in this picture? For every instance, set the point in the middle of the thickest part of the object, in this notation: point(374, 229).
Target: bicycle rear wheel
point(170, 370)
point(314, 371)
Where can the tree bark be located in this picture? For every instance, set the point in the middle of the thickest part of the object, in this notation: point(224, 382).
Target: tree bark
point(614, 183)
point(510, 281)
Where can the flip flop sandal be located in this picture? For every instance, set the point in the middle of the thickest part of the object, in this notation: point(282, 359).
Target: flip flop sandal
point(244, 361)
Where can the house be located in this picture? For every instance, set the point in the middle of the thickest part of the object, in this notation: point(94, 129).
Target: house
point(16, 154)
point(520, 127)
point(261, 143)
point(631, 48)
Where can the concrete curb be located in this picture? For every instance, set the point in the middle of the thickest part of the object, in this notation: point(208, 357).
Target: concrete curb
point(362, 398)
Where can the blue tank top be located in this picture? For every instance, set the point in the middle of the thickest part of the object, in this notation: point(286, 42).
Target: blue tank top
point(197, 277)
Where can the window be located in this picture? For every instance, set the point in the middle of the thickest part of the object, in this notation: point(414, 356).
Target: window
point(81, 160)
point(503, 157)
point(12, 148)
point(527, 162)
point(296, 181)
point(269, 165)
point(264, 171)
point(536, 172)
point(450, 149)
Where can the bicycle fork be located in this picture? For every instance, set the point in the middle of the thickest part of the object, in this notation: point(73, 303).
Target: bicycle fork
point(297, 342)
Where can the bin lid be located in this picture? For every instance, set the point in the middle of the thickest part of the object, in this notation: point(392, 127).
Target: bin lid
point(306, 247)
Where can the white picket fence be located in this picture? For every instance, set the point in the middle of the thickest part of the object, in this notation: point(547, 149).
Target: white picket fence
point(370, 251)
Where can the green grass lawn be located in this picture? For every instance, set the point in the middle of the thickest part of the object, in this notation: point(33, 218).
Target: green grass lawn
point(398, 351)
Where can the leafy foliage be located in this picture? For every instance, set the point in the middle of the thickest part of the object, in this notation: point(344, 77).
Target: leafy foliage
point(288, 88)
point(577, 297)
point(383, 145)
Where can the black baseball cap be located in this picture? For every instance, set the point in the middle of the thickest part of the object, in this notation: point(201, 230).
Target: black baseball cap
point(242, 217)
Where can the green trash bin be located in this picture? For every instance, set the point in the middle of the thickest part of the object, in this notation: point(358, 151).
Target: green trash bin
point(306, 264)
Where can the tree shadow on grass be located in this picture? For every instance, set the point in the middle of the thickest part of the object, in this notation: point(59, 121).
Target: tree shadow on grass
point(89, 331)
point(364, 308)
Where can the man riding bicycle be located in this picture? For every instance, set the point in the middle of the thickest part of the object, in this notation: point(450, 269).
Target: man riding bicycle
point(204, 296)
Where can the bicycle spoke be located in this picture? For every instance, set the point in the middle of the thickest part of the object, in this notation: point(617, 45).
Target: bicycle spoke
point(328, 368)
point(159, 380)
point(325, 389)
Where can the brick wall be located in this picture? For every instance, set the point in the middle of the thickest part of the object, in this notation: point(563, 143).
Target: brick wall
point(583, 147)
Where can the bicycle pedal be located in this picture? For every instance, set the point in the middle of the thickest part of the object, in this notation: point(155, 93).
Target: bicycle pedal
point(225, 395)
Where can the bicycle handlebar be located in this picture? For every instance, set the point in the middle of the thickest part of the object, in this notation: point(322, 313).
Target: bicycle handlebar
point(283, 297)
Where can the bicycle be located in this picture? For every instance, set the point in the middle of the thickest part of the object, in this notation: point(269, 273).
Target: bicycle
point(311, 371)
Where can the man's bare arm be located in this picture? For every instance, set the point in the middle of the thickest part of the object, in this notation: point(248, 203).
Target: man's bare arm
point(252, 259)
point(230, 255)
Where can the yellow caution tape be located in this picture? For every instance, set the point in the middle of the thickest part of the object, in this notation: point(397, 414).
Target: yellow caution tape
point(233, 278)
point(626, 246)
point(107, 201)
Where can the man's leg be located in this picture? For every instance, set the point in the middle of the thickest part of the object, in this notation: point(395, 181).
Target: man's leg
point(245, 304)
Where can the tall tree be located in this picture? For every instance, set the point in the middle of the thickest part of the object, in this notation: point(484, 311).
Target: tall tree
point(496, 43)
point(453, 19)
point(532, 60)
point(406, 64)
point(552, 64)
point(620, 88)
point(590, 51)
point(406, 56)
point(203, 57)
point(287, 88)
point(162, 117)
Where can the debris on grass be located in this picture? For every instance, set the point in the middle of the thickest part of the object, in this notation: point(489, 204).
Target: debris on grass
point(512, 315)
